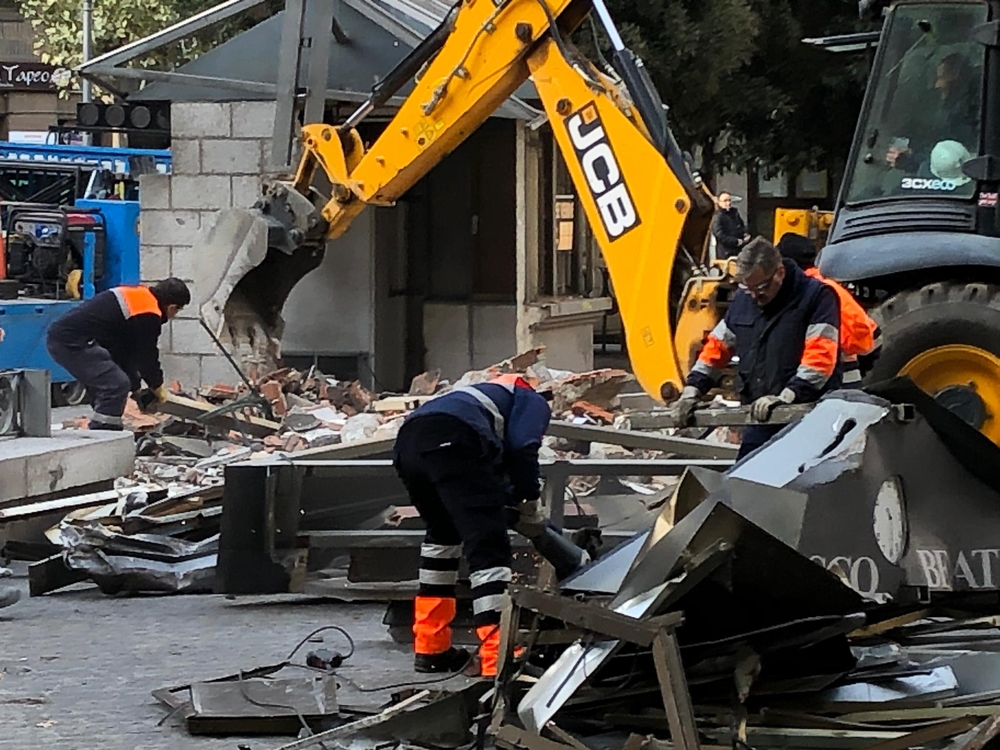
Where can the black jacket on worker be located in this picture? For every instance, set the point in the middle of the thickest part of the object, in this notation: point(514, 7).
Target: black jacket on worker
point(792, 342)
point(729, 230)
point(126, 321)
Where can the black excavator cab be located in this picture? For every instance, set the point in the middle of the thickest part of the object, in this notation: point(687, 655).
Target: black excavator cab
point(910, 198)
point(916, 232)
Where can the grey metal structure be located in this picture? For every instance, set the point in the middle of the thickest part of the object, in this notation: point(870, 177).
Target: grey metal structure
point(371, 37)
point(25, 403)
point(275, 509)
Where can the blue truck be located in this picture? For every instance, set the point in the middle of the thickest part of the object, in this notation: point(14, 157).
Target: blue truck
point(56, 254)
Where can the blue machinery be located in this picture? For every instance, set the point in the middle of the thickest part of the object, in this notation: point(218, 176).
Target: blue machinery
point(99, 237)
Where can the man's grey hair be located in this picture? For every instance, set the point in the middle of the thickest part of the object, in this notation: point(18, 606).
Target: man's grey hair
point(758, 253)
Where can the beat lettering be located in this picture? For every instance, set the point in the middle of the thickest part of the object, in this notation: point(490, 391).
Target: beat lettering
point(987, 565)
point(934, 576)
point(962, 569)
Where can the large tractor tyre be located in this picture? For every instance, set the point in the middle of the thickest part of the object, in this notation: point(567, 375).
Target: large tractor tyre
point(946, 338)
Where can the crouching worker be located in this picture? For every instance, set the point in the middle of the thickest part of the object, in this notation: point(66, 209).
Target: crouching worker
point(109, 344)
point(466, 458)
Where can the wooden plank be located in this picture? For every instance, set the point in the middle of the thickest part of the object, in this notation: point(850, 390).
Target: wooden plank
point(716, 416)
point(592, 617)
point(674, 690)
point(985, 731)
point(891, 624)
point(189, 408)
point(928, 734)
point(400, 403)
point(921, 714)
point(681, 446)
point(345, 451)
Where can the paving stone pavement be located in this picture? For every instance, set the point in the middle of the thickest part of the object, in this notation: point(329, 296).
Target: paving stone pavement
point(77, 667)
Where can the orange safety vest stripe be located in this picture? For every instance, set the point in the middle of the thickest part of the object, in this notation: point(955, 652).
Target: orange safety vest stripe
point(857, 330)
point(136, 300)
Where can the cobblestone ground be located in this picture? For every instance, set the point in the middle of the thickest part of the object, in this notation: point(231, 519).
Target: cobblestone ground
point(77, 668)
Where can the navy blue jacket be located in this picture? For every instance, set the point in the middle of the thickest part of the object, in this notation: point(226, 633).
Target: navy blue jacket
point(526, 417)
point(792, 342)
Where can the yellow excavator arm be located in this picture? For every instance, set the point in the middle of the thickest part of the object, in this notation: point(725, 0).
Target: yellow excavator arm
point(645, 207)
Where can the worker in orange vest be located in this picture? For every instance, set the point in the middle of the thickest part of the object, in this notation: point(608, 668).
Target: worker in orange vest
point(109, 344)
point(860, 336)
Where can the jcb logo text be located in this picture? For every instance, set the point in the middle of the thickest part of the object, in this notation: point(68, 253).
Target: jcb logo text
point(604, 176)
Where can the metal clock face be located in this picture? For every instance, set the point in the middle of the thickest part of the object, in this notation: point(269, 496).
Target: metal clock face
point(889, 520)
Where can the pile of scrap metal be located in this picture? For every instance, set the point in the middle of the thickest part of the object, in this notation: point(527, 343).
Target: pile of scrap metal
point(137, 539)
point(835, 589)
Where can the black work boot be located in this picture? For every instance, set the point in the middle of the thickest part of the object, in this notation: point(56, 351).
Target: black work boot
point(452, 660)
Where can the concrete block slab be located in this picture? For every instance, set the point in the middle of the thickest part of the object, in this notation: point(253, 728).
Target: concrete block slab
point(253, 119)
point(200, 120)
point(216, 369)
point(185, 156)
point(154, 262)
point(200, 192)
point(174, 227)
point(32, 467)
point(230, 157)
point(154, 191)
point(185, 368)
point(246, 190)
point(189, 337)
point(183, 261)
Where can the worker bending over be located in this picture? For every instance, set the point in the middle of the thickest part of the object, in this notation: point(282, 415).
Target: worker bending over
point(860, 336)
point(109, 344)
point(467, 458)
point(784, 327)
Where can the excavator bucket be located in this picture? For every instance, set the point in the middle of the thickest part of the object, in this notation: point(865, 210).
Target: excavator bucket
point(253, 259)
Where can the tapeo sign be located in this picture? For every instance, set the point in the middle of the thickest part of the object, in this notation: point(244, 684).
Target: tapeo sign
point(29, 76)
point(920, 183)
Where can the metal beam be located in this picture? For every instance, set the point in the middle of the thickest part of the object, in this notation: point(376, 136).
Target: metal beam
point(656, 467)
point(170, 34)
point(145, 74)
point(404, 33)
point(396, 539)
point(632, 439)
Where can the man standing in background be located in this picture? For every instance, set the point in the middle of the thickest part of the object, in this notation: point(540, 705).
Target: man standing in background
point(728, 227)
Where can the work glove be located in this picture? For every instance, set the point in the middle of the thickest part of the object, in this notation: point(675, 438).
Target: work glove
point(531, 521)
point(162, 394)
point(761, 409)
point(682, 409)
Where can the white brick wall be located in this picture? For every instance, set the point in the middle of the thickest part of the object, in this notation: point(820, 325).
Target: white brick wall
point(218, 152)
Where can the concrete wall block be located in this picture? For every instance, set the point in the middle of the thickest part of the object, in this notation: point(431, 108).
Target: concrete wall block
point(230, 157)
point(216, 369)
point(245, 190)
point(201, 192)
point(201, 120)
point(183, 261)
point(188, 337)
point(185, 368)
point(173, 227)
point(154, 191)
point(154, 262)
point(185, 156)
point(253, 119)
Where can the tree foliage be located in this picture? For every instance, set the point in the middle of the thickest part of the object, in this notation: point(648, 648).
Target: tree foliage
point(740, 83)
